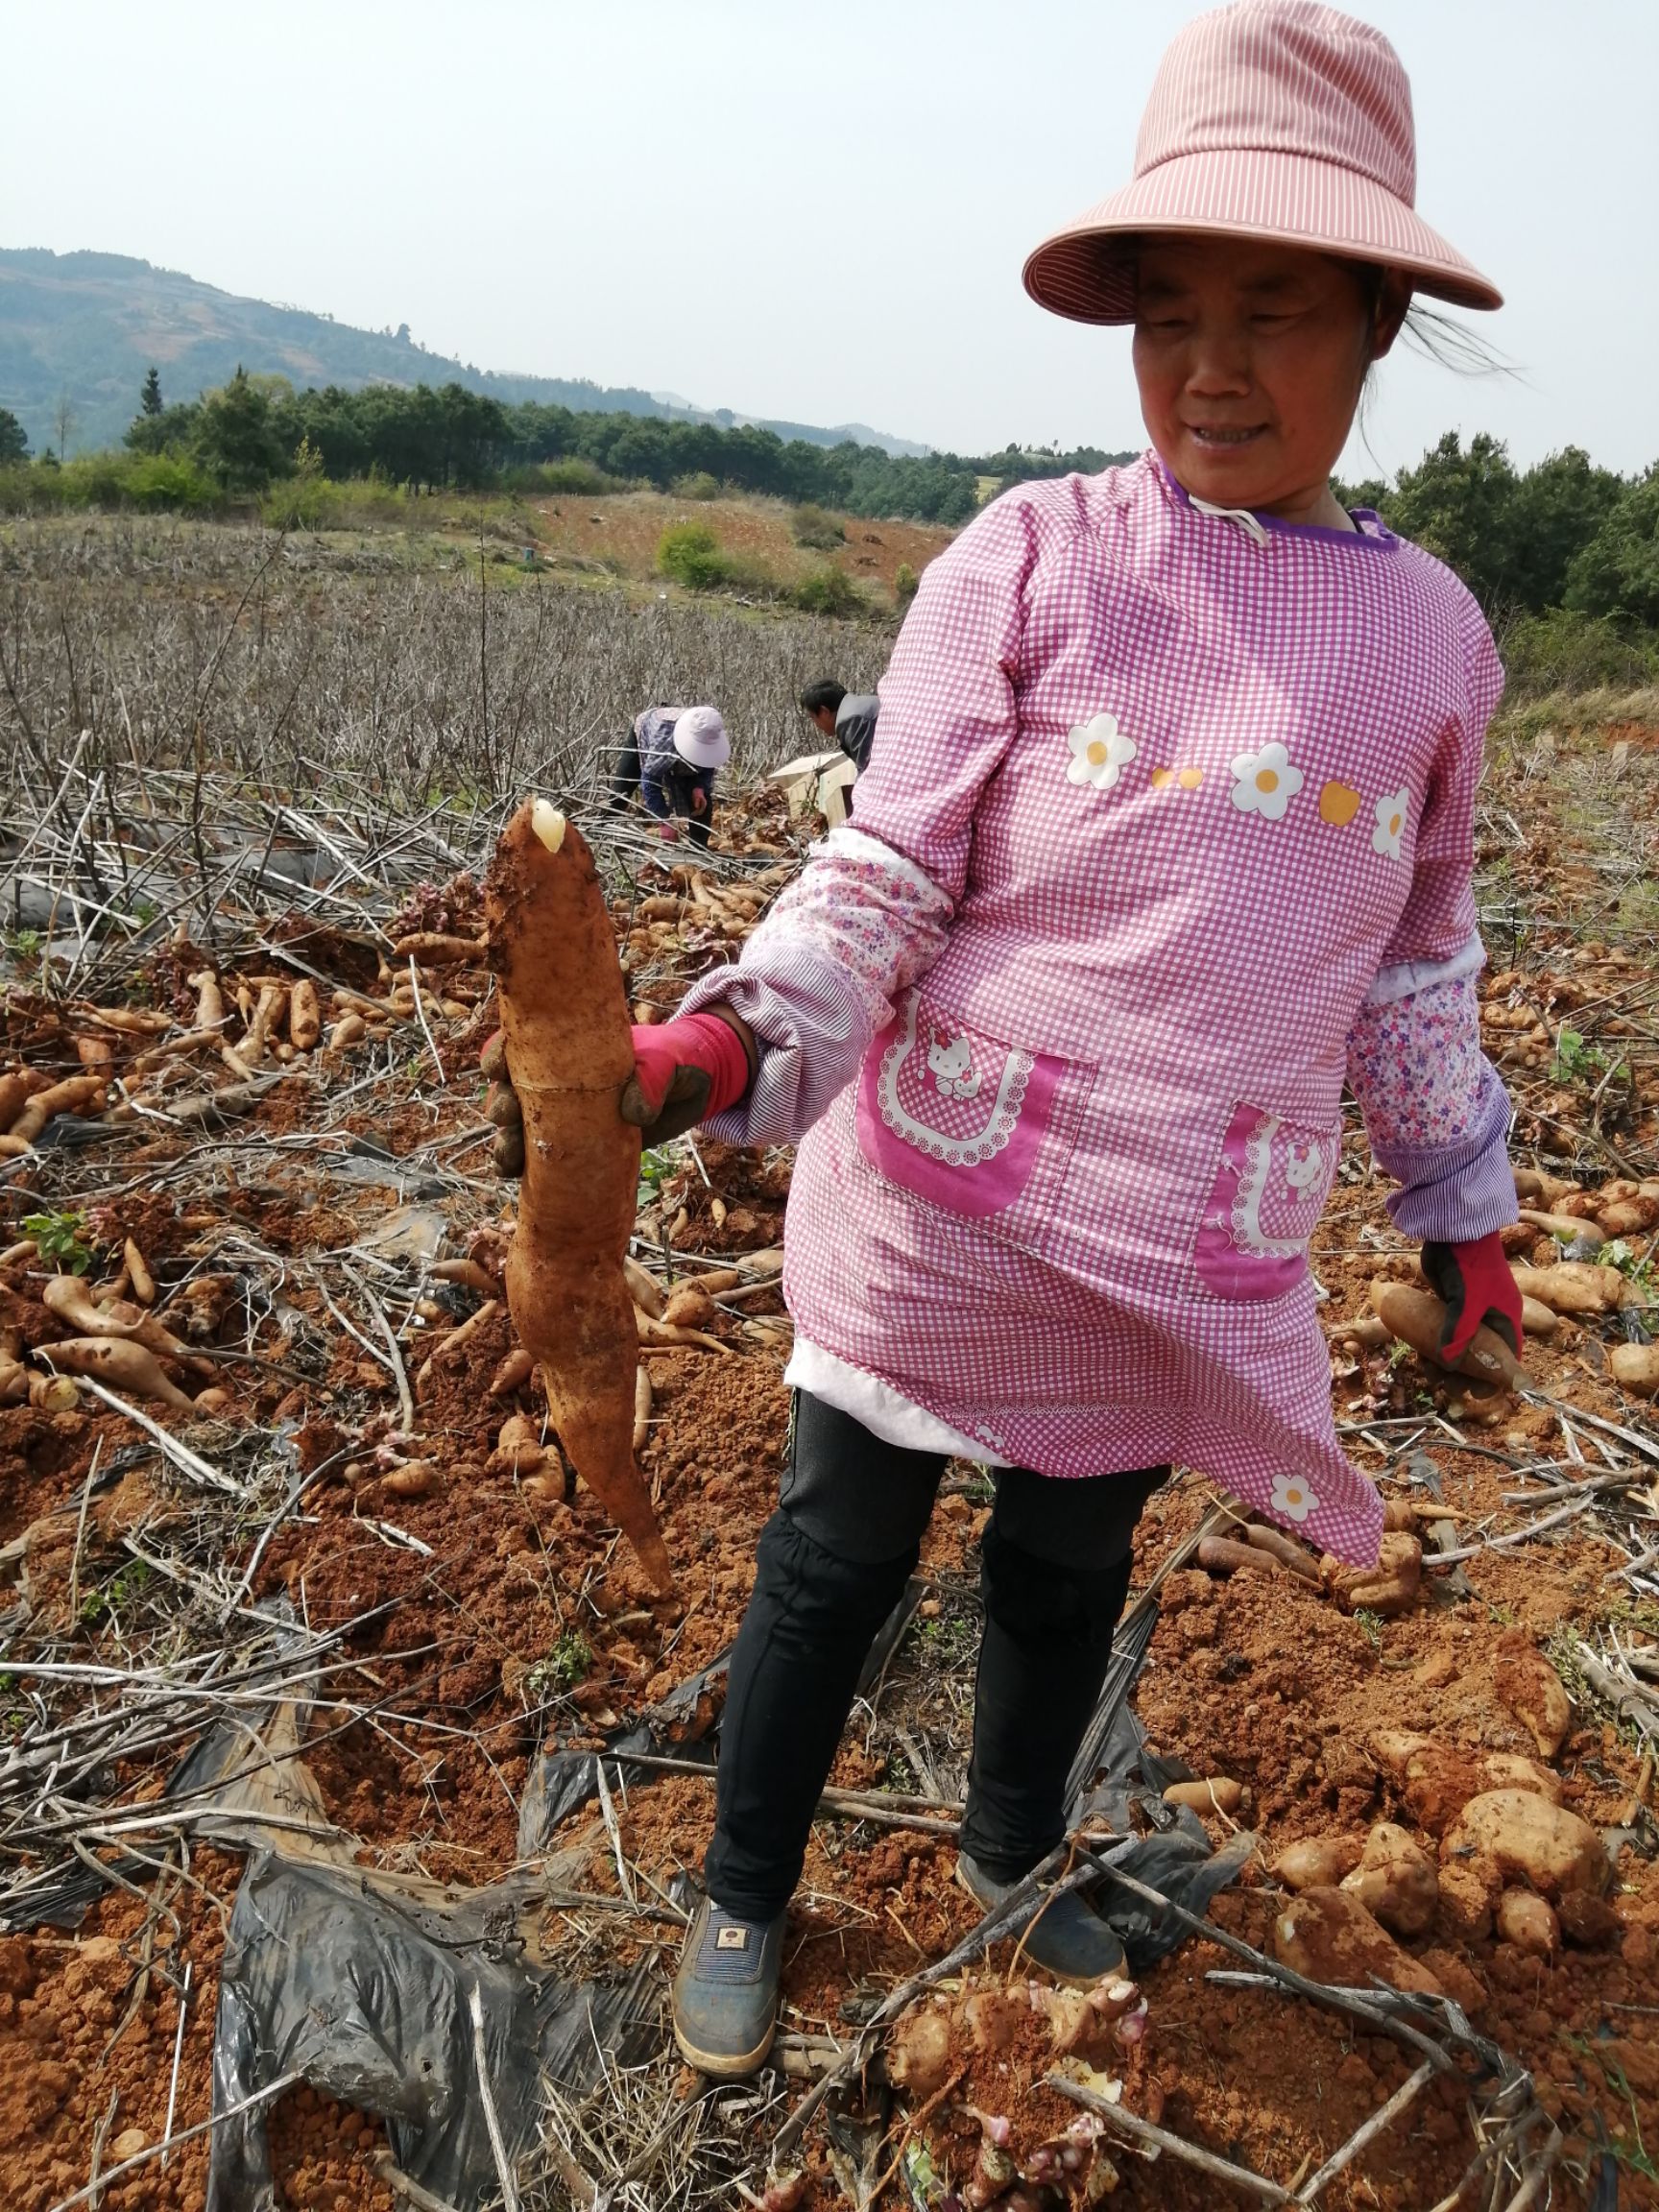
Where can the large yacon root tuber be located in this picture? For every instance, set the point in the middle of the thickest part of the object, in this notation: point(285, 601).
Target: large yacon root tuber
point(565, 1020)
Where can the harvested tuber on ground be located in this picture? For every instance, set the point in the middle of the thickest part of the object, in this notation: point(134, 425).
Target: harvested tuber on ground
point(1417, 1317)
point(1329, 1935)
point(1635, 1367)
point(75, 1095)
point(1436, 1780)
point(1217, 1793)
point(304, 1017)
point(1318, 1862)
point(565, 1018)
point(1573, 1287)
point(1389, 1588)
point(1532, 1690)
point(1550, 1848)
point(1396, 1880)
point(119, 1365)
point(1529, 1923)
point(68, 1299)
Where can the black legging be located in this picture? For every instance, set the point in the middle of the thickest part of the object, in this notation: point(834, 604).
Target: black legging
point(830, 1565)
point(625, 783)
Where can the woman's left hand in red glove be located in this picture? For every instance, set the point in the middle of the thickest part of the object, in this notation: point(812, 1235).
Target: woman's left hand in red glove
point(1477, 1285)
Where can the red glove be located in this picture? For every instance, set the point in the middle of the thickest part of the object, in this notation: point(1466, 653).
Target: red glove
point(1477, 1283)
point(685, 1069)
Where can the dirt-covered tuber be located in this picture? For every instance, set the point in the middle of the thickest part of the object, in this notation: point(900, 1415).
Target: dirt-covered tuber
point(1396, 1880)
point(1544, 1845)
point(570, 1052)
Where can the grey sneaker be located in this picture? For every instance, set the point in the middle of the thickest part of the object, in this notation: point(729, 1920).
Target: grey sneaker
point(726, 1992)
point(1061, 1935)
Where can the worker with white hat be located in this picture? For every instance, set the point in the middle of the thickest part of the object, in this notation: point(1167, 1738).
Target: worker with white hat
point(670, 759)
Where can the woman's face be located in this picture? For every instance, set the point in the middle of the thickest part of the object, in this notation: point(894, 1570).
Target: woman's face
point(1250, 358)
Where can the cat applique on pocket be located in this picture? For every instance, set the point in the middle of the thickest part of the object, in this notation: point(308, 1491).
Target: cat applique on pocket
point(1264, 1205)
point(955, 1116)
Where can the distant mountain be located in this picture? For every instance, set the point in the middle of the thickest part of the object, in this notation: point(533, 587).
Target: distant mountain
point(85, 328)
point(839, 434)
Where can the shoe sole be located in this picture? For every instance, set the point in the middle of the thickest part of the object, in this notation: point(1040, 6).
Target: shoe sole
point(1065, 1981)
point(722, 2065)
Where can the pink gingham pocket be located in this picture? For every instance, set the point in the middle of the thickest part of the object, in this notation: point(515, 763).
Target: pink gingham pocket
point(1264, 1205)
point(963, 1119)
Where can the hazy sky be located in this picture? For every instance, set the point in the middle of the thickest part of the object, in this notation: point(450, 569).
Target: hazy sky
point(817, 212)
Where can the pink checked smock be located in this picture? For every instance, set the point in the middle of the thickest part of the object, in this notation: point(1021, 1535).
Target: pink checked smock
point(1167, 826)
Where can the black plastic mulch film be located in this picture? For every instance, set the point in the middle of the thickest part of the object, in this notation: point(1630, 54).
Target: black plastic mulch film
point(365, 1984)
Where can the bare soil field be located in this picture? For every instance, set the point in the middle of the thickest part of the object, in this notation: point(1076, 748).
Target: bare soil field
point(300, 1604)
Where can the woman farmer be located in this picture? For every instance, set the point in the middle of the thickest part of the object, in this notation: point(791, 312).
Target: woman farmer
point(669, 761)
point(1169, 831)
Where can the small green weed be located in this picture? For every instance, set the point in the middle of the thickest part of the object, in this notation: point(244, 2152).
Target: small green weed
point(24, 943)
point(1577, 1060)
point(1632, 2155)
point(1370, 1627)
point(947, 1640)
point(57, 1240)
point(1636, 1266)
point(570, 1659)
point(122, 1591)
point(656, 1165)
point(1640, 1614)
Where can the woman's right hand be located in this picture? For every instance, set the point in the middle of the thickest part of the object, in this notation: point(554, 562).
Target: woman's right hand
point(685, 1069)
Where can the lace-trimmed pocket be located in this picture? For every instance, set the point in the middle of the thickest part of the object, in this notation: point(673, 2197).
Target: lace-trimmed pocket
point(959, 1117)
point(1265, 1203)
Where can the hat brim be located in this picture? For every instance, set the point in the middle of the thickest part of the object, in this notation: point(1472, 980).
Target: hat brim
point(705, 752)
point(1084, 272)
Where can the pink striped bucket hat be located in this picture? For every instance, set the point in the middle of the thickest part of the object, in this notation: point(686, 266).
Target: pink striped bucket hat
point(1275, 119)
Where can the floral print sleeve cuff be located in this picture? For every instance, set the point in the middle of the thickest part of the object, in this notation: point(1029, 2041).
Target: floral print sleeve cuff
point(1435, 1110)
point(818, 979)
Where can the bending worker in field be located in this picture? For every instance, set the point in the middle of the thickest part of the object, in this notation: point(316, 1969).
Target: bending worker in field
point(849, 717)
point(670, 759)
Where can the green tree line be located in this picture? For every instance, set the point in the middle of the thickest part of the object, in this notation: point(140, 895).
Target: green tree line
point(450, 439)
point(1563, 532)
point(249, 433)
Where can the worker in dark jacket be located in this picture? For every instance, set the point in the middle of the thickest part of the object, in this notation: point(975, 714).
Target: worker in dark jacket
point(849, 717)
point(670, 759)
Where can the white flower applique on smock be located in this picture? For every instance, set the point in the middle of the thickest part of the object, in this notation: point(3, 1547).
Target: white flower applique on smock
point(1293, 1498)
point(1100, 751)
point(1265, 782)
point(1392, 809)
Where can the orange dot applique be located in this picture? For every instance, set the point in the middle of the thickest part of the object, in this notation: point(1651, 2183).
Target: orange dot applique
point(1189, 778)
point(1162, 779)
point(1338, 803)
point(1177, 778)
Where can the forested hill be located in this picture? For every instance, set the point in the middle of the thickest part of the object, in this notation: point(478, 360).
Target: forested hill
point(81, 329)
